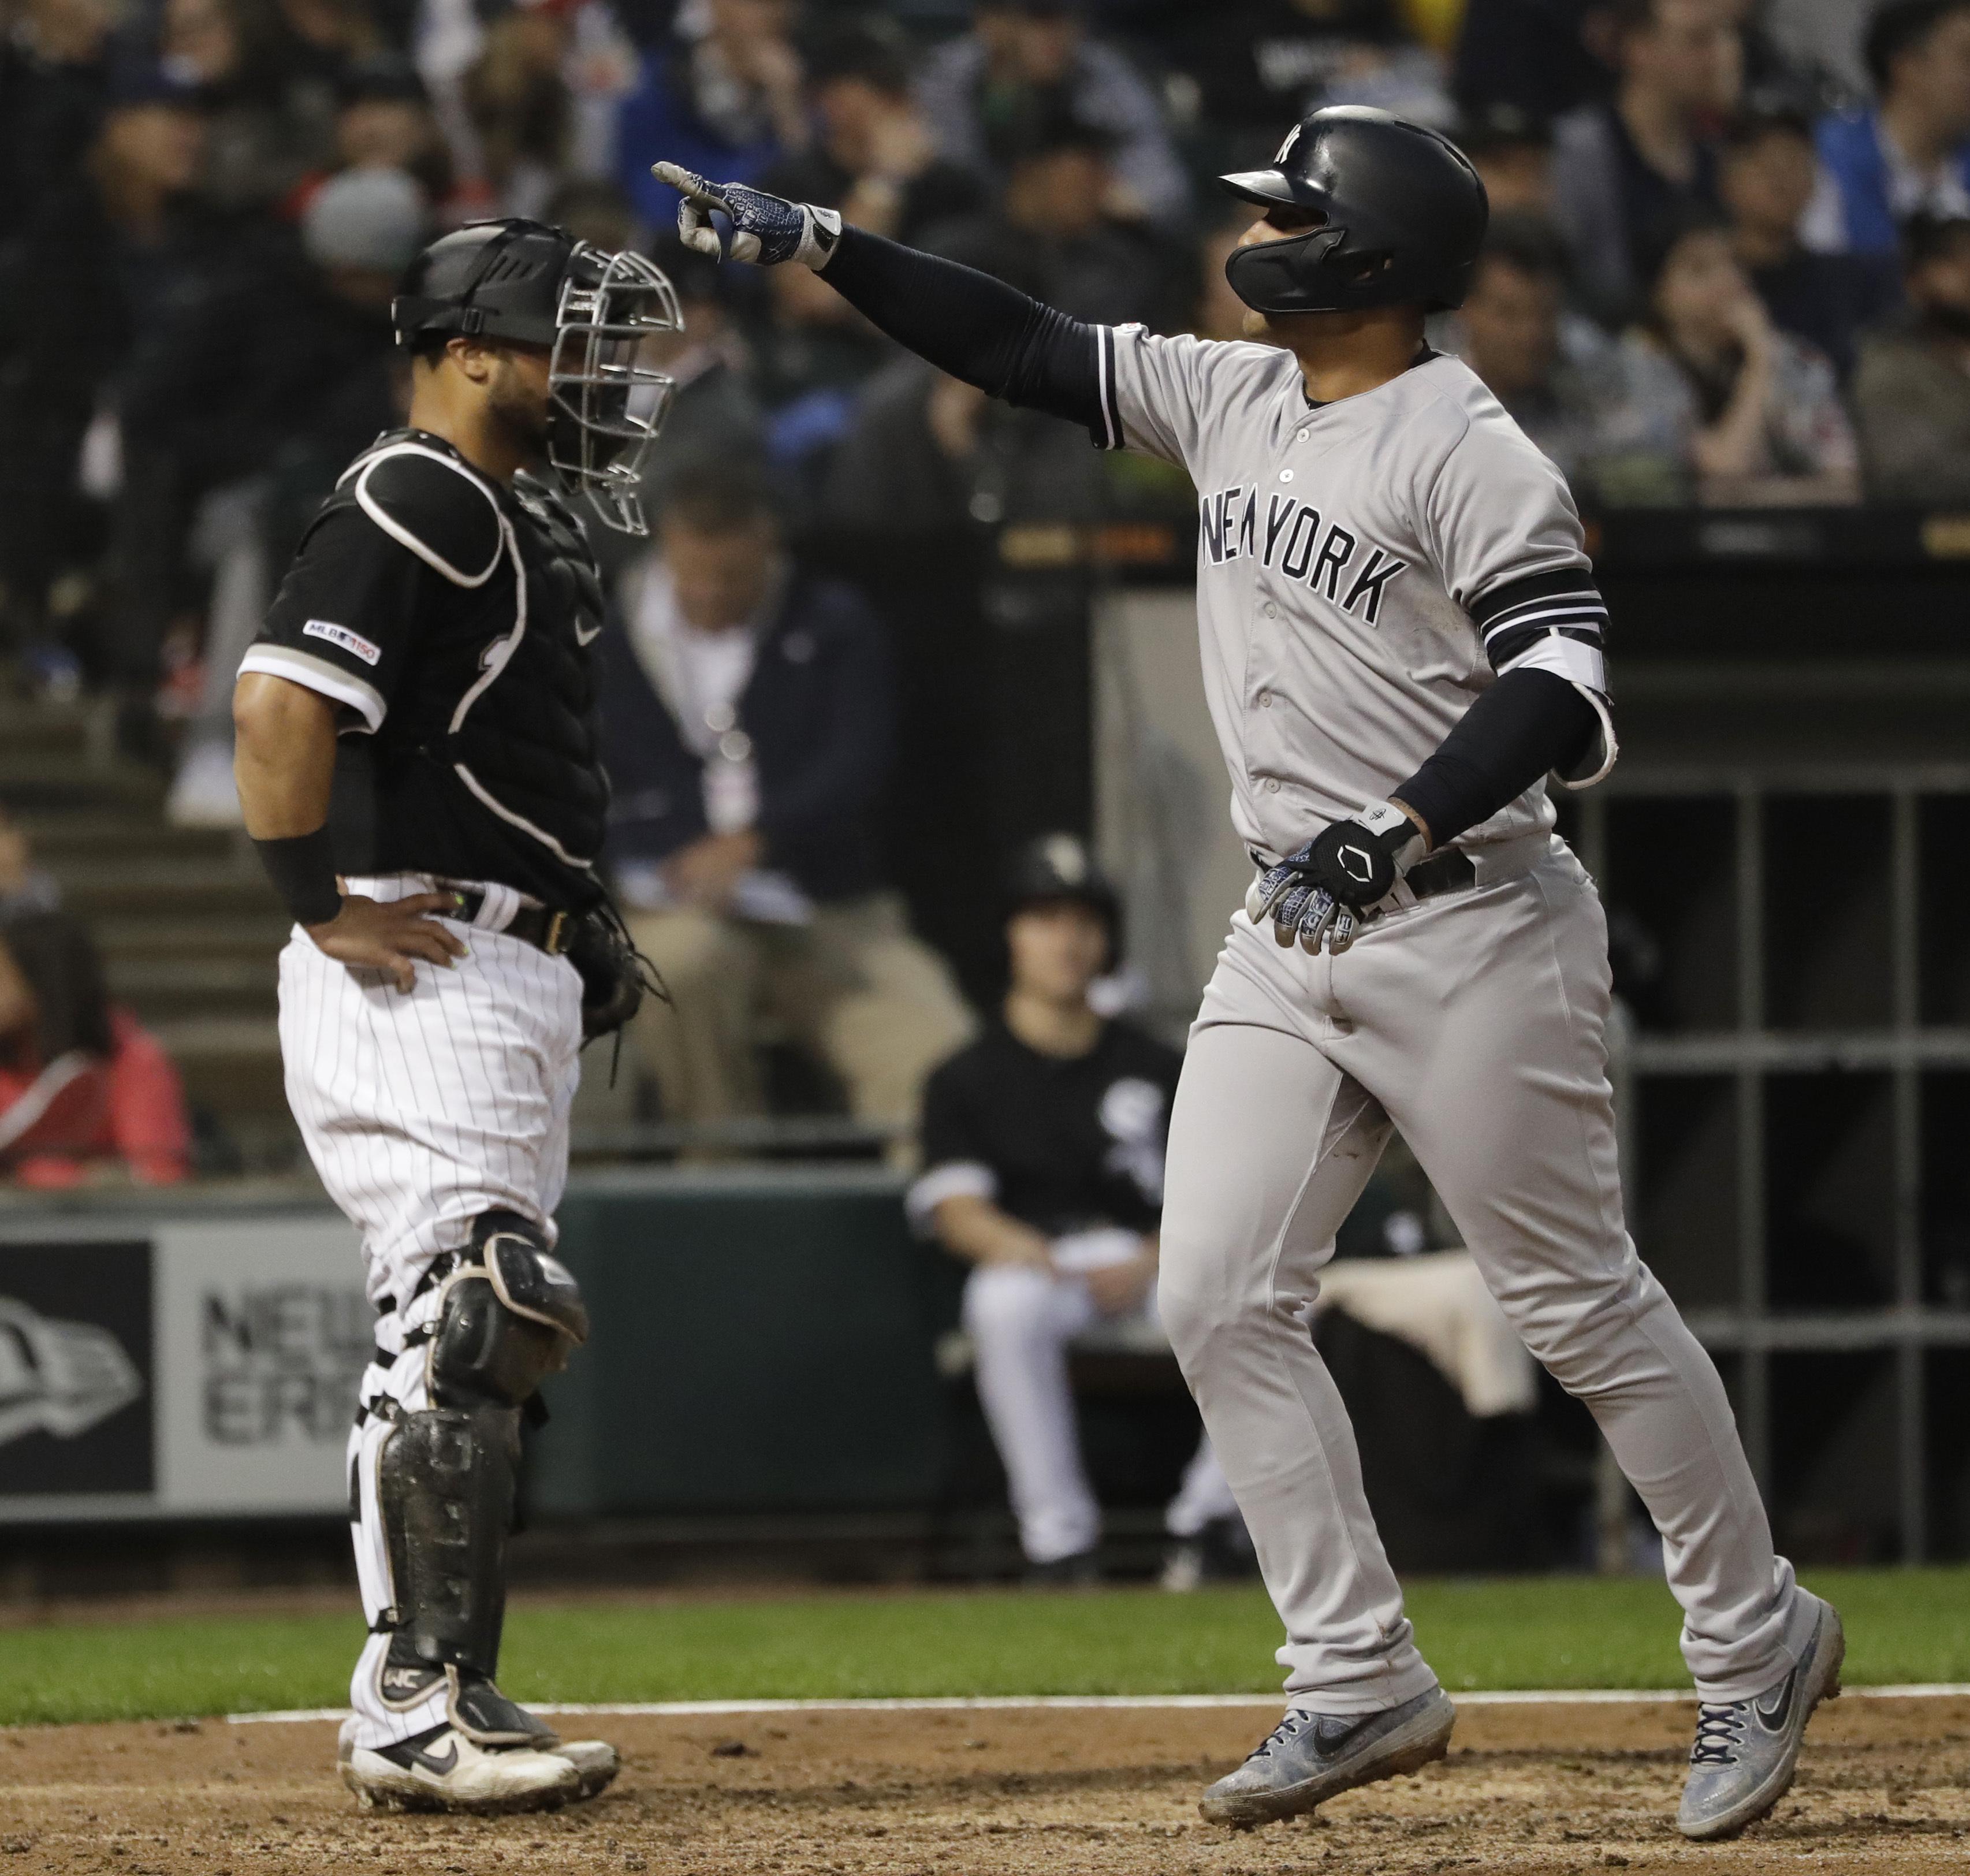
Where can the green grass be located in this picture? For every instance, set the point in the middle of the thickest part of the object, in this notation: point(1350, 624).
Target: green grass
point(1527, 1632)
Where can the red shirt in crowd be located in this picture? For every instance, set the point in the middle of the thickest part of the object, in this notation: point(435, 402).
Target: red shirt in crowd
point(80, 1108)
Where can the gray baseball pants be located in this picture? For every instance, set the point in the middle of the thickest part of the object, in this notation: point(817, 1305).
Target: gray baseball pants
point(1474, 1022)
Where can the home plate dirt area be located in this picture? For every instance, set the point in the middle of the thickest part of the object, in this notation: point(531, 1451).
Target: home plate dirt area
point(1884, 1787)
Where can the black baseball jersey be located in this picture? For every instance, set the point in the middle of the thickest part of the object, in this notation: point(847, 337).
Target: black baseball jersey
point(451, 618)
point(1061, 1144)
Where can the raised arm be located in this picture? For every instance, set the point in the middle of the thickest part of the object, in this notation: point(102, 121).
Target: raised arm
point(960, 320)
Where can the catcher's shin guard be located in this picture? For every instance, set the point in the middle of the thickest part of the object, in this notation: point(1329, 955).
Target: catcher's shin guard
point(446, 1498)
point(506, 1319)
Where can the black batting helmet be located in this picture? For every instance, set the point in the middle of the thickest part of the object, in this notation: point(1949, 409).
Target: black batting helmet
point(1058, 867)
point(1402, 216)
point(527, 283)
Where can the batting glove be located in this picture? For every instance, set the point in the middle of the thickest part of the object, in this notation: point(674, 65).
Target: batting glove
point(765, 229)
point(1318, 894)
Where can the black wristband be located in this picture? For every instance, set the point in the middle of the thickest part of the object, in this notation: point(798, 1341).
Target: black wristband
point(302, 868)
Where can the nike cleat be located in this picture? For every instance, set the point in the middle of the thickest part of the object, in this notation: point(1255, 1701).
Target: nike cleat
point(1310, 1758)
point(1747, 1751)
point(441, 1770)
point(595, 1762)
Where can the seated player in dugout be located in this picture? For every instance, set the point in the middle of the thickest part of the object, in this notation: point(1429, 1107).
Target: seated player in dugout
point(1043, 1168)
point(1401, 641)
point(749, 737)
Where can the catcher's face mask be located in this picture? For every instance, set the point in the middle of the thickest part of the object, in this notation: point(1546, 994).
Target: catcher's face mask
point(606, 408)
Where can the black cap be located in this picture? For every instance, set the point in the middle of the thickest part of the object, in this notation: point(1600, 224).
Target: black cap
point(1056, 867)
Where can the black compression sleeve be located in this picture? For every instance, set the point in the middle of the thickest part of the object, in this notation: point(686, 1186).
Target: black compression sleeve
point(302, 868)
point(1527, 722)
point(971, 326)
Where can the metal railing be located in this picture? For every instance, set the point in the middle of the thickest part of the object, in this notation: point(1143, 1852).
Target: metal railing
point(1751, 1051)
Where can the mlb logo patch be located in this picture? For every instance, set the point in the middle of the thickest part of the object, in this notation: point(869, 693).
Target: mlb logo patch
point(353, 642)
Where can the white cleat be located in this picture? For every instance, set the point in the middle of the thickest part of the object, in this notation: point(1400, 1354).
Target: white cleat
point(596, 1763)
point(443, 1770)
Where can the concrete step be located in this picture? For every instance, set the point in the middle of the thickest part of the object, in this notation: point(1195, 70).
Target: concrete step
point(30, 783)
point(255, 936)
point(162, 988)
point(82, 729)
point(166, 887)
point(83, 834)
point(230, 1064)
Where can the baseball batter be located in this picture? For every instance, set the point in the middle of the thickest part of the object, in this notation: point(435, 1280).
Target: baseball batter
point(1401, 639)
point(418, 716)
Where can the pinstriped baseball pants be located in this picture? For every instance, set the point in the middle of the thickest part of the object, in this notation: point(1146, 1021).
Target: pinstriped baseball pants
point(1476, 1023)
point(420, 1110)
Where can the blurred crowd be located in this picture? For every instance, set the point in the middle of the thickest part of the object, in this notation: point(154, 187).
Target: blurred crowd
point(1731, 262)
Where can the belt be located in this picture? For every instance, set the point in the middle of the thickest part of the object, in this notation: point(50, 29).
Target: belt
point(1449, 872)
point(541, 926)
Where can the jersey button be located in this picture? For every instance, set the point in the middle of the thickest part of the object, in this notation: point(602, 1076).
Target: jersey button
point(1286, 475)
point(1265, 700)
point(1271, 611)
point(1303, 435)
point(1272, 785)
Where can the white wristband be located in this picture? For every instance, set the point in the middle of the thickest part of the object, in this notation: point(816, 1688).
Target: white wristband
point(818, 239)
point(1383, 818)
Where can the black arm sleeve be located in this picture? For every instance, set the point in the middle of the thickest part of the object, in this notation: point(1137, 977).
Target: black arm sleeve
point(972, 326)
point(1527, 722)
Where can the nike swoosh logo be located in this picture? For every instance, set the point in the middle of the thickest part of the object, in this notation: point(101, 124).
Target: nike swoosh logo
point(432, 1763)
point(1331, 1739)
point(1773, 1719)
point(588, 637)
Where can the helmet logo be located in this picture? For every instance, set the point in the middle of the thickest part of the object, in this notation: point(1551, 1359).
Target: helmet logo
point(1067, 858)
point(1286, 148)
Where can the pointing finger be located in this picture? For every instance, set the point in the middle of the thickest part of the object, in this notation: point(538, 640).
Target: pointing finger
point(688, 183)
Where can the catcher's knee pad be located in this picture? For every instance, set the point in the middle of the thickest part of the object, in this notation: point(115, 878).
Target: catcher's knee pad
point(445, 1489)
point(508, 1316)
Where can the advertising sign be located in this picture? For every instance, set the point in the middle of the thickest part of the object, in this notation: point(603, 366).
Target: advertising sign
point(206, 1368)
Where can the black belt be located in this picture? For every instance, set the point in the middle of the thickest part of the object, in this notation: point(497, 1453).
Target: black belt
point(541, 926)
point(1449, 872)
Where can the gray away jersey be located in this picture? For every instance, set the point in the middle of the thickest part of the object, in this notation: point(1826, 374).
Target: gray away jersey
point(1365, 568)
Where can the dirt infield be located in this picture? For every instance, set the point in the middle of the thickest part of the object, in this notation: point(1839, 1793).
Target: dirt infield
point(1885, 1787)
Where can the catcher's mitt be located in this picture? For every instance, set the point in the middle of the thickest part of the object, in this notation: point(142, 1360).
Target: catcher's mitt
point(615, 976)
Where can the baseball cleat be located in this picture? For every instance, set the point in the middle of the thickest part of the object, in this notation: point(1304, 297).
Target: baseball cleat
point(596, 1763)
point(1081, 1570)
point(1221, 1552)
point(1747, 1751)
point(443, 1770)
point(1311, 1757)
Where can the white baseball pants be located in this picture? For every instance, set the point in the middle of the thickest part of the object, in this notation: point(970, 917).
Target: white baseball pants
point(1021, 1322)
point(1475, 1022)
point(420, 1110)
